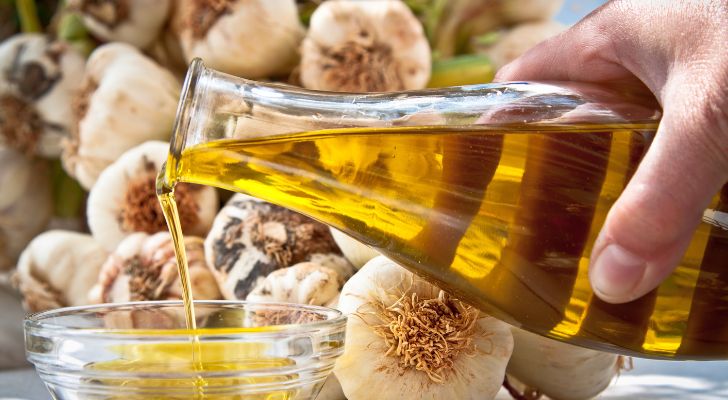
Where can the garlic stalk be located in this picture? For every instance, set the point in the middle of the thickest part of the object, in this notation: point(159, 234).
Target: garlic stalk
point(124, 199)
point(38, 79)
point(57, 269)
point(364, 46)
point(411, 340)
point(558, 370)
point(512, 43)
point(137, 22)
point(144, 267)
point(355, 251)
point(250, 239)
point(26, 203)
point(248, 38)
point(303, 283)
point(125, 99)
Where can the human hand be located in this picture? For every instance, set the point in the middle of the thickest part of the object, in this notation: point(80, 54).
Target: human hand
point(679, 50)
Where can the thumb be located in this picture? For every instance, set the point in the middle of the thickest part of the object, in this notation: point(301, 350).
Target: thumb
point(650, 226)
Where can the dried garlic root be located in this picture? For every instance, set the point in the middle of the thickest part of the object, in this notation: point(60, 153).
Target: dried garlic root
point(247, 38)
point(144, 267)
point(137, 22)
point(364, 46)
point(411, 340)
point(125, 99)
point(558, 370)
point(38, 79)
point(57, 269)
point(124, 199)
point(250, 239)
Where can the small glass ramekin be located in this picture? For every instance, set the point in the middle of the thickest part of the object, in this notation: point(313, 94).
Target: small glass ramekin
point(143, 350)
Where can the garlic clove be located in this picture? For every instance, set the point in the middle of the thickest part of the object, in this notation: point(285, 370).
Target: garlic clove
point(516, 41)
point(364, 46)
point(57, 269)
point(26, 203)
point(558, 370)
point(303, 283)
point(38, 78)
point(137, 22)
point(386, 301)
point(355, 251)
point(125, 99)
point(248, 38)
point(144, 267)
point(251, 238)
point(124, 200)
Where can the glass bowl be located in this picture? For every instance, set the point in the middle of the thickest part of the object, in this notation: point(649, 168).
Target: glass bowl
point(143, 350)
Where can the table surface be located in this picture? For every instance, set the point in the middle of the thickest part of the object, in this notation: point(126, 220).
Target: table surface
point(648, 380)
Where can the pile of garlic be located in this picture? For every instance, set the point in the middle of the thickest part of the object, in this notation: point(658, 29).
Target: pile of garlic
point(105, 117)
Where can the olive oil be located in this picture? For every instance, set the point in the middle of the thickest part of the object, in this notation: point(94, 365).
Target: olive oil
point(502, 216)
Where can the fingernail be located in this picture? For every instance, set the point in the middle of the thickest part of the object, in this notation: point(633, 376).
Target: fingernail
point(616, 272)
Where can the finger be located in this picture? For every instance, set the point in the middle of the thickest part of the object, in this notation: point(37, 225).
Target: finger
point(650, 226)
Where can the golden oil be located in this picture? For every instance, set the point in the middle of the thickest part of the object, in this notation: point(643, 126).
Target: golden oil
point(502, 216)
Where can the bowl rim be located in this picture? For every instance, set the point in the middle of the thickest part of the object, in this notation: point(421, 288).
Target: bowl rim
point(35, 322)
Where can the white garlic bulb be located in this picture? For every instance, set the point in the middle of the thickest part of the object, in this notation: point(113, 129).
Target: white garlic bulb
point(125, 99)
point(26, 203)
point(124, 199)
point(529, 10)
point(303, 283)
point(410, 340)
point(558, 370)
point(144, 267)
point(355, 251)
point(251, 238)
point(57, 269)
point(248, 38)
point(365, 46)
point(38, 79)
point(137, 22)
point(516, 41)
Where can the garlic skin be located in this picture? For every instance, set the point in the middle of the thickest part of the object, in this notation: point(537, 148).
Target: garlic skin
point(516, 41)
point(144, 267)
point(57, 269)
point(38, 79)
point(514, 11)
point(247, 38)
point(558, 370)
point(251, 238)
point(303, 283)
point(124, 199)
point(137, 22)
point(364, 46)
point(355, 251)
point(26, 203)
point(125, 99)
point(383, 298)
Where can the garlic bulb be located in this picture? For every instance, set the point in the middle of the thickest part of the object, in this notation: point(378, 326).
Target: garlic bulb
point(57, 269)
point(137, 22)
point(26, 203)
point(250, 239)
point(124, 199)
point(144, 267)
point(364, 46)
point(38, 78)
point(248, 38)
point(125, 99)
point(411, 340)
point(514, 11)
point(558, 370)
point(303, 283)
point(516, 41)
point(355, 251)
